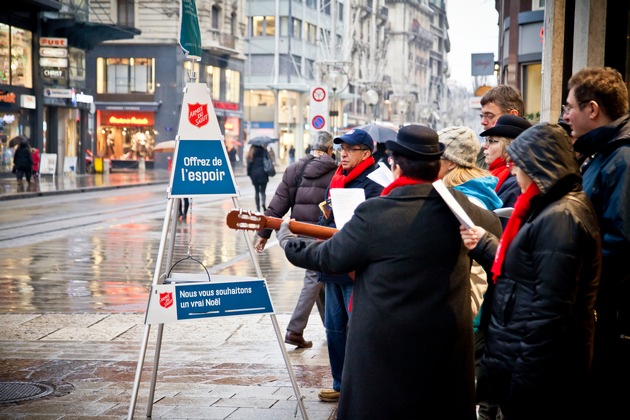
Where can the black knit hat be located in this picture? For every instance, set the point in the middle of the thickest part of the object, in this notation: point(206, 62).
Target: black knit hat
point(416, 142)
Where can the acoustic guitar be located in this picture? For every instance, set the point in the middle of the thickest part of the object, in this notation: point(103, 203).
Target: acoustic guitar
point(250, 220)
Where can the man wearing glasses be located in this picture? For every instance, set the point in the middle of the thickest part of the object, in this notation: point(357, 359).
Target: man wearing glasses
point(499, 100)
point(597, 112)
point(356, 163)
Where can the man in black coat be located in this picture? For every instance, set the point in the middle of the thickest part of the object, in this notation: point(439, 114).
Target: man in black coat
point(410, 344)
point(23, 161)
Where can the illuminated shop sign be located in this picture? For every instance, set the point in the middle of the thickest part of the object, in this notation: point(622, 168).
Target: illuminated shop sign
point(9, 98)
point(225, 105)
point(53, 42)
point(127, 118)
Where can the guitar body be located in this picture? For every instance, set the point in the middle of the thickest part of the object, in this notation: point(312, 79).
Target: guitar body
point(248, 220)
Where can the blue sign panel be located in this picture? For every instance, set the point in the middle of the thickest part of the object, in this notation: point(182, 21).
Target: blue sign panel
point(177, 302)
point(201, 168)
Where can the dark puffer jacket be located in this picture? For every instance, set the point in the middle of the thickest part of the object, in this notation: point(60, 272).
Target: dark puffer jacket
point(303, 201)
point(540, 337)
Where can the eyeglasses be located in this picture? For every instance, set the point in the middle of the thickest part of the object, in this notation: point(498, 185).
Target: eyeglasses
point(350, 149)
point(490, 141)
point(566, 108)
point(488, 116)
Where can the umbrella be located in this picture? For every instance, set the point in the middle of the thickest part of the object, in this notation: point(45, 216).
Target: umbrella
point(379, 133)
point(15, 141)
point(165, 146)
point(261, 141)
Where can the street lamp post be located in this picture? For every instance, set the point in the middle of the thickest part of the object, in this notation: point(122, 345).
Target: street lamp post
point(336, 80)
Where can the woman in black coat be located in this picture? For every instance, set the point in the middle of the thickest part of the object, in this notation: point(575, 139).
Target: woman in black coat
point(539, 342)
point(256, 172)
point(23, 161)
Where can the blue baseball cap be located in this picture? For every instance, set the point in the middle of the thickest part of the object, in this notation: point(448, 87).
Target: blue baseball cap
point(355, 137)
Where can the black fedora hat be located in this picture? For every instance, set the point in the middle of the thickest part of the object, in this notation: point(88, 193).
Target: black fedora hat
point(416, 142)
point(509, 126)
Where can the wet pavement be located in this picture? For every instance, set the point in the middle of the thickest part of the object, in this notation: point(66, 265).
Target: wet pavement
point(78, 327)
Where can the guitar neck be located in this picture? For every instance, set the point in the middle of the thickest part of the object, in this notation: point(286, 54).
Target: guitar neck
point(301, 228)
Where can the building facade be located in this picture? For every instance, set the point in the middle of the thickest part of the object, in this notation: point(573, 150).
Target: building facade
point(139, 83)
point(43, 79)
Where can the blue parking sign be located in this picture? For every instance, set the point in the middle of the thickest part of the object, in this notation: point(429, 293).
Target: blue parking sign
point(201, 168)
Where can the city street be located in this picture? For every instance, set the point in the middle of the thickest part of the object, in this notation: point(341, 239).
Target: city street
point(76, 269)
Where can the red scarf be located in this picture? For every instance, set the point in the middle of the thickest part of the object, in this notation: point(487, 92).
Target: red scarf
point(522, 210)
point(499, 169)
point(339, 180)
point(401, 182)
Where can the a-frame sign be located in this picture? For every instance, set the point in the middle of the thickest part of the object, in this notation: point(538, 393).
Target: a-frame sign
point(201, 168)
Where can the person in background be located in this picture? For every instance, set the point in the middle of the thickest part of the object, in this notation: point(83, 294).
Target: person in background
point(506, 129)
point(546, 267)
point(409, 352)
point(597, 112)
point(499, 100)
point(302, 188)
point(184, 203)
point(257, 174)
point(356, 163)
point(23, 161)
point(380, 154)
point(291, 154)
point(458, 170)
point(36, 160)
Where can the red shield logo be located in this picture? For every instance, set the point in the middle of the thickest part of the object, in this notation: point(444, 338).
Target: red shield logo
point(166, 300)
point(198, 114)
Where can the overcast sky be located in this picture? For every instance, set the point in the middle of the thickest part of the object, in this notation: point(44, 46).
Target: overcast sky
point(472, 29)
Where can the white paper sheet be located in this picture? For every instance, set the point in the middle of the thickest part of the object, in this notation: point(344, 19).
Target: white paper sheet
point(382, 176)
point(344, 201)
point(457, 210)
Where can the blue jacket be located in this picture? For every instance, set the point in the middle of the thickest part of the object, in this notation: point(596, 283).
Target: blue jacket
point(606, 180)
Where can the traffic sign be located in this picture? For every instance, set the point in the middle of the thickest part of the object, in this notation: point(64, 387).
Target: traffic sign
point(318, 122)
point(319, 94)
point(318, 109)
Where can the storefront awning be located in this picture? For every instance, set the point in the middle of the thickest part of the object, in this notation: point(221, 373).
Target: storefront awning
point(87, 35)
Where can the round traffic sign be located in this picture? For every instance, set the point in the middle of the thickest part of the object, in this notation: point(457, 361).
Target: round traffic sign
point(319, 94)
point(318, 122)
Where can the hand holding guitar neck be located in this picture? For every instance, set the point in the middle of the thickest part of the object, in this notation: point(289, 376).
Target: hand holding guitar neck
point(249, 220)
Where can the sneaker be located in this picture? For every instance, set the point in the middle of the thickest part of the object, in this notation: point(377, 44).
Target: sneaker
point(328, 395)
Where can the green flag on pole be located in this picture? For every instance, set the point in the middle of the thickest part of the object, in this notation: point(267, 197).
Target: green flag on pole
point(190, 35)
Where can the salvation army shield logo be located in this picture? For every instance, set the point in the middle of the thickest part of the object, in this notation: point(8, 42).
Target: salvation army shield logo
point(198, 114)
point(166, 300)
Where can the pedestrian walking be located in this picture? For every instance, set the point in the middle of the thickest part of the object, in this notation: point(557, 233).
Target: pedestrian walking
point(23, 161)
point(302, 188)
point(36, 160)
point(546, 269)
point(257, 174)
point(182, 212)
point(409, 351)
point(597, 112)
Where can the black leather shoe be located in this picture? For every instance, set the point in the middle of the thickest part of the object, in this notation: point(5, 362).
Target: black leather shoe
point(296, 339)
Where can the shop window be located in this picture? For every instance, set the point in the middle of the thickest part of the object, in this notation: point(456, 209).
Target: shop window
point(213, 80)
point(232, 86)
point(16, 52)
point(192, 70)
point(126, 75)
